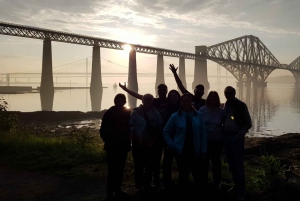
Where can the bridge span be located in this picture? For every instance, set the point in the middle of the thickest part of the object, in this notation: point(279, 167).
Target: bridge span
point(246, 58)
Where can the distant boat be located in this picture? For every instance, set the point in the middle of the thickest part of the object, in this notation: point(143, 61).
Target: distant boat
point(115, 85)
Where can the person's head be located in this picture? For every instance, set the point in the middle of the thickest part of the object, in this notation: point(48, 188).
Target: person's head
point(147, 100)
point(173, 97)
point(186, 101)
point(229, 93)
point(213, 99)
point(162, 90)
point(199, 91)
point(120, 100)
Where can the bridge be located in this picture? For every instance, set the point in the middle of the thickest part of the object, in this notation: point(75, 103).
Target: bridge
point(20, 78)
point(246, 58)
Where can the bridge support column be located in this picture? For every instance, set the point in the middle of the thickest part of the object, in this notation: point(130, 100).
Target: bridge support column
point(7, 79)
point(132, 78)
point(248, 84)
point(240, 84)
point(160, 79)
point(182, 71)
point(259, 83)
point(47, 86)
point(200, 70)
point(96, 80)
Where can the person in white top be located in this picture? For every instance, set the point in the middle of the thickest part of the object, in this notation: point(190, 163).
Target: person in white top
point(213, 118)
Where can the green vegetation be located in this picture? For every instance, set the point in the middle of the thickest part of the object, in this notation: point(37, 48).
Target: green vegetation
point(62, 156)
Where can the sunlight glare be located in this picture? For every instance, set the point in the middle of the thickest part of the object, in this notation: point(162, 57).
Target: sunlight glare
point(127, 48)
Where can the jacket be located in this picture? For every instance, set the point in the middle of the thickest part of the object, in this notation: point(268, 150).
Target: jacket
point(115, 129)
point(175, 131)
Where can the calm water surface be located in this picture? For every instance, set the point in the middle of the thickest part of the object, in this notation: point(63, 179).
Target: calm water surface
point(275, 110)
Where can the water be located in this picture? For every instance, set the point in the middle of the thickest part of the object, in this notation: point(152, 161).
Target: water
point(275, 110)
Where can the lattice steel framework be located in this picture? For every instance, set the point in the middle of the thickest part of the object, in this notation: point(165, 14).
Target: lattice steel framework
point(246, 58)
point(39, 33)
point(294, 67)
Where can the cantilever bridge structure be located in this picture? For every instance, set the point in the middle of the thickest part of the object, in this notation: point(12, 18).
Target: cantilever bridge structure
point(246, 58)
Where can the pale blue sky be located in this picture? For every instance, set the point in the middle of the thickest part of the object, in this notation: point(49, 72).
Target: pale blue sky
point(172, 24)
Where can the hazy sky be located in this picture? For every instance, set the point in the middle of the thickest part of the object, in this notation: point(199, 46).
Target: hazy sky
point(172, 24)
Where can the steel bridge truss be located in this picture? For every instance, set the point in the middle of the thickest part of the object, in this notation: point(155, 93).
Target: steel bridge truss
point(294, 67)
point(42, 34)
point(246, 58)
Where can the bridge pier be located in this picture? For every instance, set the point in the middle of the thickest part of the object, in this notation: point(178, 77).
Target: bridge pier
point(160, 79)
point(47, 86)
point(200, 69)
point(182, 71)
point(240, 84)
point(7, 79)
point(259, 83)
point(132, 78)
point(96, 80)
point(248, 84)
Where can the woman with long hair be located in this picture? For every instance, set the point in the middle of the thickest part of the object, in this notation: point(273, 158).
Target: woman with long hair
point(185, 134)
point(213, 117)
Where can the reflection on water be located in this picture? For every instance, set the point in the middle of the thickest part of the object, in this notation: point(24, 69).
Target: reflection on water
point(96, 99)
point(275, 110)
point(47, 100)
point(259, 107)
point(271, 116)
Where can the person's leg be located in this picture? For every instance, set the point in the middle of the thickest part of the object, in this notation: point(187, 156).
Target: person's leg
point(111, 169)
point(167, 166)
point(150, 156)
point(239, 164)
point(157, 164)
point(204, 168)
point(120, 170)
point(234, 149)
point(216, 151)
point(138, 153)
point(183, 173)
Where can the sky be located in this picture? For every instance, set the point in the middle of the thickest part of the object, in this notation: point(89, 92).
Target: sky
point(171, 24)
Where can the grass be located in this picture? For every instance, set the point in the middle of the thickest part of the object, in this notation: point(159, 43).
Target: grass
point(60, 156)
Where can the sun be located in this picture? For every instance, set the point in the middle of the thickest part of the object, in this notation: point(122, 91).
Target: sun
point(127, 47)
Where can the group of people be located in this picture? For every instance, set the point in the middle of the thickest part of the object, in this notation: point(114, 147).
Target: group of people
point(186, 127)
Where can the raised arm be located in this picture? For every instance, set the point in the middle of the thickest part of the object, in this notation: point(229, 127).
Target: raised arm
point(132, 93)
point(177, 79)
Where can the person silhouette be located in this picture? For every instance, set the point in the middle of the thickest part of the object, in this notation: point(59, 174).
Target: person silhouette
point(198, 101)
point(115, 132)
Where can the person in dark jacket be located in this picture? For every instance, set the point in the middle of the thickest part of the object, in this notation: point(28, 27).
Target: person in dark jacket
point(115, 132)
point(236, 124)
point(198, 101)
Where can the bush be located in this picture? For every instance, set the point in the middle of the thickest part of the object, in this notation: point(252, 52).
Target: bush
point(270, 172)
point(8, 122)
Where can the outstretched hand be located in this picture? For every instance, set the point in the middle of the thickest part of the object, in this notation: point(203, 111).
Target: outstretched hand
point(172, 68)
point(122, 86)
